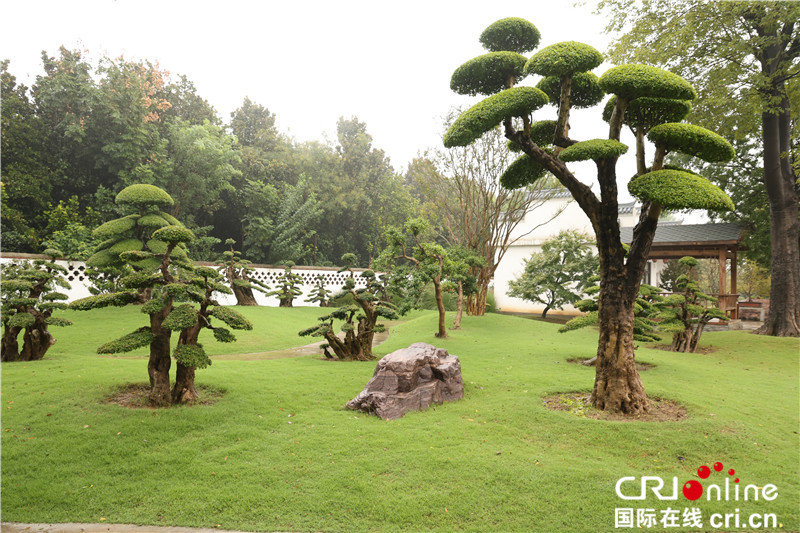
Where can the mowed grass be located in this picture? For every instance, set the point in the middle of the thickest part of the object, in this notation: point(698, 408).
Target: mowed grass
point(278, 452)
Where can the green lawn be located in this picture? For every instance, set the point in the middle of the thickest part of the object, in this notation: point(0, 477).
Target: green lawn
point(279, 453)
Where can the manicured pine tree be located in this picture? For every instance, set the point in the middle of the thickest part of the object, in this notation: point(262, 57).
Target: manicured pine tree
point(238, 273)
point(319, 293)
point(686, 312)
point(288, 286)
point(29, 297)
point(547, 146)
point(159, 280)
point(360, 318)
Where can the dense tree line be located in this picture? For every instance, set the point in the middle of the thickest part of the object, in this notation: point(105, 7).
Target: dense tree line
point(82, 133)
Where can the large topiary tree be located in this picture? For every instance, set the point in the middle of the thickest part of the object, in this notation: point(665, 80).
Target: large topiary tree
point(359, 319)
point(29, 297)
point(549, 147)
point(159, 280)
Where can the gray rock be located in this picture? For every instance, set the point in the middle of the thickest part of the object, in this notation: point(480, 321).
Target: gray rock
point(411, 379)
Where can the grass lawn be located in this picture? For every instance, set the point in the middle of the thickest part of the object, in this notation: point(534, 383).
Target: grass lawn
point(279, 453)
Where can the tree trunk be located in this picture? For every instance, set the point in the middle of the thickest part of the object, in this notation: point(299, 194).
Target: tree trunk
point(285, 302)
point(10, 346)
point(544, 312)
point(783, 319)
point(36, 341)
point(437, 290)
point(160, 359)
point(459, 306)
point(617, 385)
point(682, 340)
point(184, 390)
point(244, 296)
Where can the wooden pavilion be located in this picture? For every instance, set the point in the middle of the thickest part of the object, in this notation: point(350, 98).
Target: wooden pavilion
point(701, 241)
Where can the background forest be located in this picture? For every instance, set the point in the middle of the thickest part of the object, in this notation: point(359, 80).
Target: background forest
point(82, 133)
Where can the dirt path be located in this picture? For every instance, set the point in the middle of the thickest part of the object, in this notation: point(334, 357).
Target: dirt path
point(11, 527)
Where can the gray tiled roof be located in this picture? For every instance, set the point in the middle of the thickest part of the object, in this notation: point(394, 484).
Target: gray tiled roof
point(691, 233)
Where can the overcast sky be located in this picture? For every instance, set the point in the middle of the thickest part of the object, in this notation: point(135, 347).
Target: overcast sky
point(309, 62)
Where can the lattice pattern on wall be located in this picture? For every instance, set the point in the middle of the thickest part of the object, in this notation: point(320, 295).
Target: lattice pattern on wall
point(76, 276)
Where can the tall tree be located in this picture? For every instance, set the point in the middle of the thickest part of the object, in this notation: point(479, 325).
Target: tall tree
point(463, 192)
point(549, 146)
point(743, 56)
point(26, 174)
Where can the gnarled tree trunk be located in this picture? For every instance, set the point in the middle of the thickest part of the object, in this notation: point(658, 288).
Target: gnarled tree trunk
point(459, 306)
point(617, 385)
point(36, 341)
point(10, 346)
point(437, 290)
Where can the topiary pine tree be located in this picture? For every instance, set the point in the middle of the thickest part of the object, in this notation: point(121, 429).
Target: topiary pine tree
point(319, 293)
point(686, 312)
point(237, 272)
point(29, 297)
point(360, 318)
point(159, 281)
point(548, 147)
point(288, 286)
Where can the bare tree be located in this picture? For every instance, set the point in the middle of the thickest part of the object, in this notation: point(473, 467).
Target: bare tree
point(464, 197)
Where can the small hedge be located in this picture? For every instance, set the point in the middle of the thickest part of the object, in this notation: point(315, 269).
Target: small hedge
point(523, 171)
point(511, 34)
point(594, 149)
point(137, 339)
point(676, 189)
point(635, 81)
point(543, 132)
point(585, 91)
point(564, 59)
point(112, 228)
point(693, 140)
point(490, 112)
point(487, 74)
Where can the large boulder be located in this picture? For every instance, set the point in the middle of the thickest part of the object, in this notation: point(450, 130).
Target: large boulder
point(411, 379)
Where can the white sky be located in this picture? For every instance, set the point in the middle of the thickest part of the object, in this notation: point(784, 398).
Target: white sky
point(310, 62)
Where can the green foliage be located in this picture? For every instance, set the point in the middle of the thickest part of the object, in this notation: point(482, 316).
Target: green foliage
point(521, 173)
point(319, 293)
point(180, 318)
point(543, 132)
point(559, 274)
point(231, 317)
point(647, 112)
point(692, 140)
point(288, 286)
point(103, 300)
point(635, 81)
point(152, 221)
point(173, 234)
point(564, 59)
point(676, 189)
point(191, 355)
point(490, 112)
point(142, 195)
point(510, 34)
point(224, 335)
point(113, 228)
point(136, 339)
point(585, 90)
point(595, 149)
point(488, 74)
